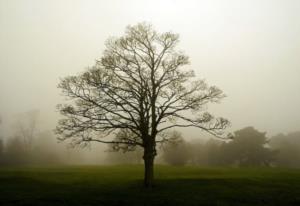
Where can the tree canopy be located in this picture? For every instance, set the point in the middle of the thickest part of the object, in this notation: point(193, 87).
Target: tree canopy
point(248, 148)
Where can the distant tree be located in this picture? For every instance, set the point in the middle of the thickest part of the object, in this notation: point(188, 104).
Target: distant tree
point(26, 127)
point(206, 153)
point(248, 148)
point(1, 151)
point(288, 147)
point(124, 153)
point(45, 149)
point(176, 152)
point(140, 87)
point(1, 147)
point(212, 152)
point(16, 152)
point(124, 157)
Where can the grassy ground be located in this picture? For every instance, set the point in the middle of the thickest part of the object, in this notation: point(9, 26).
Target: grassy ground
point(122, 185)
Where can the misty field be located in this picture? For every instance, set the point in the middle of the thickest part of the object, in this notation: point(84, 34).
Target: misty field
point(122, 185)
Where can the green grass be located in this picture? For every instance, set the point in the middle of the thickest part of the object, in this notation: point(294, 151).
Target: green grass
point(122, 185)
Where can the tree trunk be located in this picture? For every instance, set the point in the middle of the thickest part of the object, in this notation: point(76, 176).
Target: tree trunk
point(149, 167)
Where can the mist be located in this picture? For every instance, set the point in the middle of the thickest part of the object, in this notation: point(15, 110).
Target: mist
point(248, 48)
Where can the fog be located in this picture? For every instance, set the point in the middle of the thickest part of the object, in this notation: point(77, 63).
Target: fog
point(250, 49)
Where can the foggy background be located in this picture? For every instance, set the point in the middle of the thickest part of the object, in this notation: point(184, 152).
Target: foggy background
point(250, 49)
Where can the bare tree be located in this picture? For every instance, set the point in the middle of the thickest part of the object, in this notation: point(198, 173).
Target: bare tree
point(26, 127)
point(140, 87)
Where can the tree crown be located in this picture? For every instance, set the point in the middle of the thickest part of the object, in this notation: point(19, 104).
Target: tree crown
point(138, 90)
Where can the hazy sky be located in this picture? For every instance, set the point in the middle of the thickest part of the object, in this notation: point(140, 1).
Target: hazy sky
point(249, 48)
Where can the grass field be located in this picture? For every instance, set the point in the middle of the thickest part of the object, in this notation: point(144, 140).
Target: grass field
point(122, 185)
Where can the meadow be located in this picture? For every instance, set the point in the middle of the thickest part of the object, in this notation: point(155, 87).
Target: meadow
point(122, 185)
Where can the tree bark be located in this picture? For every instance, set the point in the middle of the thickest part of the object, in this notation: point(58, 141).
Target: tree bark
point(149, 167)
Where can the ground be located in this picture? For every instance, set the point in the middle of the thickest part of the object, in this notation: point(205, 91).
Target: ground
point(122, 185)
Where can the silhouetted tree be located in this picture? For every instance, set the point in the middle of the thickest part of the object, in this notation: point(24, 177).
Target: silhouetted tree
point(138, 87)
point(248, 148)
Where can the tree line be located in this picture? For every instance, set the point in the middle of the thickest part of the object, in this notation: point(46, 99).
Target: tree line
point(249, 147)
point(28, 144)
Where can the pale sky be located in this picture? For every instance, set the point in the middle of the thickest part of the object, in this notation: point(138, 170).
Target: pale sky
point(249, 48)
